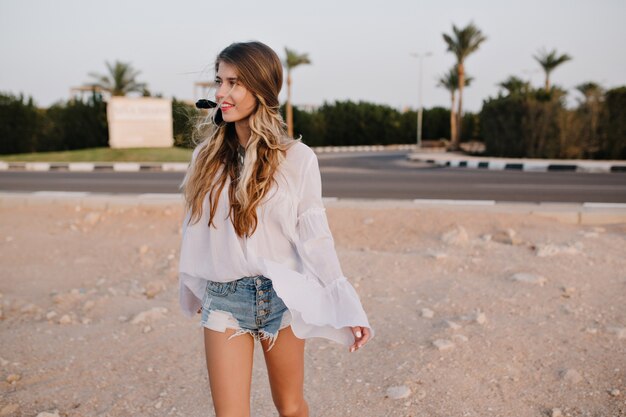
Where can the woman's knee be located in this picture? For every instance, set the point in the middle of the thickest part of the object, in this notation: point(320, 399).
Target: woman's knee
point(293, 408)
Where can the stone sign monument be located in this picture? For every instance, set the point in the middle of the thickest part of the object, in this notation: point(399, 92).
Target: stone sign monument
point(144, 122)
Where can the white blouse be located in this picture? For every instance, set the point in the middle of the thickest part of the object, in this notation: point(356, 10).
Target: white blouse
point(292, 245)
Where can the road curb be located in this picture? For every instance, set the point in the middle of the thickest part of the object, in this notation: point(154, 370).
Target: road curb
point(570, 213)
point(165, 166)
point(519, 164)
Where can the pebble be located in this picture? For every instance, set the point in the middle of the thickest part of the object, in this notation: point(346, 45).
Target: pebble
point(368, 220)
point(3, 362)
point(92, 218)
point(443, 344)
point(459, 338)
point(398, 392)
point(11, 378)
point(158, 404)
point(9, 409)
point(29, 308)
point(54, 413)
point(153, 288)
point(452, 325)
point(65, 319)
point(455, 236)
point(556, 412)
point(437, 255)
point(620, 332)
point(615, 392)
point(86, 320)
point(550, 249)
point(154, 313)
point(147, 329)
point(571, 375)
point(427, 313)
point(529, 278)
point(143, 249)
point(486, 237)
point(507, 237)
point(51, 314)
point(478, 317)
point(567, 292)
point(88, 305)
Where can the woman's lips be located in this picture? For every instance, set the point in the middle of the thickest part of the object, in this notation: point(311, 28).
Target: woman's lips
point(226, 107)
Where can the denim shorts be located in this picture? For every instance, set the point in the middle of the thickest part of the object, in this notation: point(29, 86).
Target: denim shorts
point(249, 305)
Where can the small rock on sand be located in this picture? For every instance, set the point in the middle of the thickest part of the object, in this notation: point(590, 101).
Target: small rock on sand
point(428, 313)
point(455, 236)
point(507, 237)
point(398, 392)
point(571, 375)
point(556, 412)
point(443, 344)
point(11, 378)
point(529, 278)
point(452, 325)
point(615, 392)
point(9, 409)
point(154, 313)
point(91, 218)
point(620, 332)
point(459, 338)
point(551, 250)
point(54, 413)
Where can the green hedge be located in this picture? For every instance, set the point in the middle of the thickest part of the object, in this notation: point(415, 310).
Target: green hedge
point(537, 125)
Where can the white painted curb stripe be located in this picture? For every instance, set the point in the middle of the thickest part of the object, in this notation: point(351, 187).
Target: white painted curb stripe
point(81, 166)
point(456, 202)
point(126, 167)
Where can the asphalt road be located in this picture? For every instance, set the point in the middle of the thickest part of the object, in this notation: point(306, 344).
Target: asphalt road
point(365, 175)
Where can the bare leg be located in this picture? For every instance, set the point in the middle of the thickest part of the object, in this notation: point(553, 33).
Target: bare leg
point(229, 363)
point(285, 368)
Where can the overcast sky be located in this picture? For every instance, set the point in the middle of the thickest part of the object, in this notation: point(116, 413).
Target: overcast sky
point(360, 50)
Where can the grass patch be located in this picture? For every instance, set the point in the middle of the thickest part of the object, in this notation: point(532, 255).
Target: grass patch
point(105, 155)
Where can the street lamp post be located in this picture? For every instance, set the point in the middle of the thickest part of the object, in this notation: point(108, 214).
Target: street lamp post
point(419, 94)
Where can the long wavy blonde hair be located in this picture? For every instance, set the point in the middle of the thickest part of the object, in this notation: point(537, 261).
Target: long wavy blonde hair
point(260, 71)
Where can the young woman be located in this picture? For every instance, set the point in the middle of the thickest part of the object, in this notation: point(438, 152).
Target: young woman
point(257, 256)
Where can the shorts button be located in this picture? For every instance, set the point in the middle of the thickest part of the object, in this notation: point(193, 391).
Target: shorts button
point(260, 292)
point(261, 302)
point(258, 282)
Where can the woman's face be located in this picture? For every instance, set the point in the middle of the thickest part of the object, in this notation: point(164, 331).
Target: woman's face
point(236, 101)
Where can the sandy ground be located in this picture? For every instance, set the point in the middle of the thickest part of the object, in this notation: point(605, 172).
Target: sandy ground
point(90, 324)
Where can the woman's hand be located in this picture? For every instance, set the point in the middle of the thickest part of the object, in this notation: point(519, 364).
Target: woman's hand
point(200, 310)
point(361, 336)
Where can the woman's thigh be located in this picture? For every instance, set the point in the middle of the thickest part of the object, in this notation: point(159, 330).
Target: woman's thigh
point(285, 369)
point(229, 364)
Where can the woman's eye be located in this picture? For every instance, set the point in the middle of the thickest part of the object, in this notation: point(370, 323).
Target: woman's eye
point(218, 82)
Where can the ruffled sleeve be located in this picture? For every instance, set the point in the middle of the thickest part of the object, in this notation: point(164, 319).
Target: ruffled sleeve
point(324, 303)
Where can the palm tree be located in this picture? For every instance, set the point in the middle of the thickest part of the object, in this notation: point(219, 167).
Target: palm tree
point(120, 80)
point(549, 61)
point(450, 81)
point(462, 43)
point(515, 86)
point(292, 60)
point(591, 91)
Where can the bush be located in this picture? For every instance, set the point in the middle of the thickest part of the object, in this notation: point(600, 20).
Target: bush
point(184, 117)
point(613, 145)
point(22, 124)
point(77, 124)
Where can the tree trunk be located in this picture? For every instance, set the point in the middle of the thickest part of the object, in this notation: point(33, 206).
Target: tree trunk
point(459, 114)
point(452, 117)
point(547, 82)
point(289, 109)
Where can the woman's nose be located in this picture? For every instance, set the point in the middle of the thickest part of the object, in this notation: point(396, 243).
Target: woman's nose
point(221, 93)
